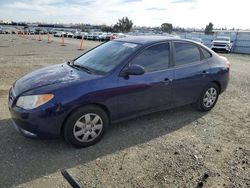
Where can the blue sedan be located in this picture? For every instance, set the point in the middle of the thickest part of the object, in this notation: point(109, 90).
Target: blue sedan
point(117, 80)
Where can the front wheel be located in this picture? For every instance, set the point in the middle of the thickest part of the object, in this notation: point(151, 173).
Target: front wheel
point(208, 98)
point(86, 126)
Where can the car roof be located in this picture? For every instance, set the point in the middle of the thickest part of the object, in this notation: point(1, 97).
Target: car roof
point(147, 39)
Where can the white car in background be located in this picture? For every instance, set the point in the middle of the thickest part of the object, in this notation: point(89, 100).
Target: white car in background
point(69, 35)
point(60, 34)
point(90, 36)
point(78, 35)
point(121, 35)
point(102, 37)
point(222, 43)
point(94, 36)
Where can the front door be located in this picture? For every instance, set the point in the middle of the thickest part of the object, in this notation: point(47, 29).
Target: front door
point(152, 90)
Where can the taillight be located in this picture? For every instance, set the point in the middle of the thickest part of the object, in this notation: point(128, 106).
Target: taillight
point(228, 64)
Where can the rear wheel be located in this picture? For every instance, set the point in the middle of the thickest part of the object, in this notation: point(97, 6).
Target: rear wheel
point(208, 98)
point(86, 126)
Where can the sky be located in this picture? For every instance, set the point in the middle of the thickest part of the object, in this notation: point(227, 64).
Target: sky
point(181, 13)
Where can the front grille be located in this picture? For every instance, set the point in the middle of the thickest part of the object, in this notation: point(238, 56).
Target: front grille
point(219, 44)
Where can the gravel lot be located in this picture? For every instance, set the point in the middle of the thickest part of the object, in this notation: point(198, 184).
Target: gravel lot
point(176, 148)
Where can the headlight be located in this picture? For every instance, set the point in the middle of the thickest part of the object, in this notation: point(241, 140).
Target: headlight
point(33, 101)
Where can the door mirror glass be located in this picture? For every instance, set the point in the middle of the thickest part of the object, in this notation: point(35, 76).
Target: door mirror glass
point(134, 70)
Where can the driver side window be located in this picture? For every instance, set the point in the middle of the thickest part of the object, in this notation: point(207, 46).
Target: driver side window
point(154, 58)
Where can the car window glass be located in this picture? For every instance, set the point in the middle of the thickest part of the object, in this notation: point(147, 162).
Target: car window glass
point(186, 53)
point(154, 58)
point(206, 54)
point(107, 56)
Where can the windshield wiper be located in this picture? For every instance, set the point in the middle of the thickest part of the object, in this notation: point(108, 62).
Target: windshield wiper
point(84, 68)
point(71, 63)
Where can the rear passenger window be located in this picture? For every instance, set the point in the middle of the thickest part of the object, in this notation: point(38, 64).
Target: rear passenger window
point(186, 53)
point(206, 53)
point(154, 58)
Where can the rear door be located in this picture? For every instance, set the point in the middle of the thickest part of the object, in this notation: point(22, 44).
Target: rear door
point(190, 72)
point(152, 90)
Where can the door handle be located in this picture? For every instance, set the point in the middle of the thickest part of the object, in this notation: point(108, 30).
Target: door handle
point(167, 80)
point(205, 72)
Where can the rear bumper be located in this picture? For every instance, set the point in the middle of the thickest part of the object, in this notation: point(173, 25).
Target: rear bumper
point(224, 82)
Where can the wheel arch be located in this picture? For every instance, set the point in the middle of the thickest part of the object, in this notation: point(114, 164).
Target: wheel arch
point(103, 107)
point(218, 85)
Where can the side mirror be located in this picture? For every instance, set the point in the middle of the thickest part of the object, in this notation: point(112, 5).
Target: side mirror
point(134, 70)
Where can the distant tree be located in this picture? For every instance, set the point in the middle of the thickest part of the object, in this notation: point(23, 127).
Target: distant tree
point(116, 28)
point(123, 25)
point(106, 28)
point(82, 27)
point(167, 27)
point(209, 29)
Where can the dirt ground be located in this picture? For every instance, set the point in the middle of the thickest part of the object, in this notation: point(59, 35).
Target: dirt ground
point(176, 148)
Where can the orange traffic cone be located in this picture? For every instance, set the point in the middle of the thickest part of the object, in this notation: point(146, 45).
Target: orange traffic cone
point(48, 38)
point(62, 40)
point(81, 44)
point(39, 38)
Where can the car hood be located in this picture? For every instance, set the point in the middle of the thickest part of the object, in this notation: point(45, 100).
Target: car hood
point(60, 73)
point(221, 41)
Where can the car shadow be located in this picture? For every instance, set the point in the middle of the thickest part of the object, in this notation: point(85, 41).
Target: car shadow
point(23, 159)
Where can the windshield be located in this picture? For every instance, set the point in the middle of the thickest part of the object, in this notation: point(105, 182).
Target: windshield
point(107, 56)
point(223, 39)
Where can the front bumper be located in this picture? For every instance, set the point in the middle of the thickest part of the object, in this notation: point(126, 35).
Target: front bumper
point(23, 132)
point(227, 48)
point(43, 122)
point(36, 124)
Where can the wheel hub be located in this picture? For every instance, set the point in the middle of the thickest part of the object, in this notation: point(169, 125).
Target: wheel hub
point(210, 97)
point(88, 127)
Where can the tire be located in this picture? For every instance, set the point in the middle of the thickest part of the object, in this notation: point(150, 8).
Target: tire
point(208, 98)
point(81, 134)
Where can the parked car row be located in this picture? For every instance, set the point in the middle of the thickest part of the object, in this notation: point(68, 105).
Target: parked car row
point(2, 31)
point(96, 36)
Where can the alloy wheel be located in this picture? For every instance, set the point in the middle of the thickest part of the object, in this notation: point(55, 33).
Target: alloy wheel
point(210, 97)
point(88, 127)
